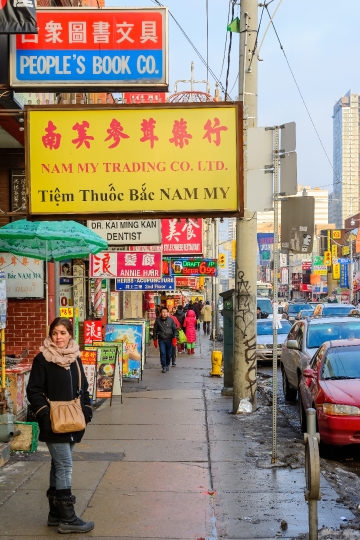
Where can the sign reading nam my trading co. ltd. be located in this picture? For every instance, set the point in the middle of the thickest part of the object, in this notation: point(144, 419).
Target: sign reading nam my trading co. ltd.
point(167, 158)
point(107, 48)
point(128, 231)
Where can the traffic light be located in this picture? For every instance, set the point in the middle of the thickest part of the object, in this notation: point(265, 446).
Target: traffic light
point(327, 258)
point(222, 260)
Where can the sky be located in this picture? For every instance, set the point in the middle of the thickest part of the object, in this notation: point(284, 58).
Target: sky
point(321, 40)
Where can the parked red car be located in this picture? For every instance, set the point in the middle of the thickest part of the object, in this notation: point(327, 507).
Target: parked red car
point(331, 385)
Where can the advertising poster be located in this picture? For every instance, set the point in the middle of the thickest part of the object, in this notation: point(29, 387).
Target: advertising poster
point(132, 336)
point(117, 387)
point(105, 371)
point(24, 275)
point(88, 359)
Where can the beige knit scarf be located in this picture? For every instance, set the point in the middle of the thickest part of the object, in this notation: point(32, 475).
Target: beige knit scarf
point(61, 357)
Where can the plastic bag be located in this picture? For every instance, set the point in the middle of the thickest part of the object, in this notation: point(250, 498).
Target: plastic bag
point(182, 337)
point(244, 406)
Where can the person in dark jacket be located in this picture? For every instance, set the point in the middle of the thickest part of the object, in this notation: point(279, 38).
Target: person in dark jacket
point(180, 315)
point(165, 335)
point(54, 376)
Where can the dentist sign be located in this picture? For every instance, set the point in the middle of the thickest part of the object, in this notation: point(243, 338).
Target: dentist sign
point(108, 48)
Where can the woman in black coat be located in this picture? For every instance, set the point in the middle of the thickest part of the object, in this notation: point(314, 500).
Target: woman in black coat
point(55, 377)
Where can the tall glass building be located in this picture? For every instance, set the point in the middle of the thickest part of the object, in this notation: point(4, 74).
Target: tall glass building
point(344, 200)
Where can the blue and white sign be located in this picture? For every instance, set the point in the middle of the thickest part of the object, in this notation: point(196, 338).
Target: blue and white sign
point(109, 47)
point(164, 284)
point(344, 276)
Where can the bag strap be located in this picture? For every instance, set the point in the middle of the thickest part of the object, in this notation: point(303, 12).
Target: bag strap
point(77, 363)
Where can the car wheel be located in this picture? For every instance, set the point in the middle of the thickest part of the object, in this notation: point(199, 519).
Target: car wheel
point(302, 415)
point(289, 393)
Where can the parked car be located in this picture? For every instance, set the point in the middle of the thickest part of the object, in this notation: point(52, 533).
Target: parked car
point(292, 309)
point(331, 385)
point(333, 310)
point(304, 338)
point(265, 306)
point(264, 340)
point(304, 313)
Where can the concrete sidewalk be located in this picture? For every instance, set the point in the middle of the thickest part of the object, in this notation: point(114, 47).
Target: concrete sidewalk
point(169, 463)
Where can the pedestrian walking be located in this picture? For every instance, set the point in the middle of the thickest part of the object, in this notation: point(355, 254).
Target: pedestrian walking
point(180, 315)
point(165, 336)
point(190, 330)
point(197, 310)
point(206, 315)
point(57, 375)
point(174, 347)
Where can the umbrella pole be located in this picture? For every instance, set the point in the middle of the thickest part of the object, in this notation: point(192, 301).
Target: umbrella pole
point(46, 291)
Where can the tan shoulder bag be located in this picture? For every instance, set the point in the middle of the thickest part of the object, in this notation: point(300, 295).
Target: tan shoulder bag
point(67, 416)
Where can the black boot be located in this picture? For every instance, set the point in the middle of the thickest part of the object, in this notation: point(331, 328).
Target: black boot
point(69, 522)
point(53, 517)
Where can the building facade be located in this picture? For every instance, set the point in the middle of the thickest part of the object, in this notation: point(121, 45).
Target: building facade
point(344, 200)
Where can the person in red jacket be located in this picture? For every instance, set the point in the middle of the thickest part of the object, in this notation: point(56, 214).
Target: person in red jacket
point(190, 330)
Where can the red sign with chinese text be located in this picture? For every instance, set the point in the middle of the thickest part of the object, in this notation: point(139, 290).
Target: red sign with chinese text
point(92, 332)
point(126, 264)
point(144, 97)
point(182, 236)
point(190, 283)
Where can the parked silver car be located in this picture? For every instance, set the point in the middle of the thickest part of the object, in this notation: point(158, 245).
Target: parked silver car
point(264, 339)
point(304, 338)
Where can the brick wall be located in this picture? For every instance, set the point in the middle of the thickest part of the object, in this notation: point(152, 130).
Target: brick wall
point(25, 326)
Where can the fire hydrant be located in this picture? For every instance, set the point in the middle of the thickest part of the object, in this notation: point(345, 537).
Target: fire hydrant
point(216, 362)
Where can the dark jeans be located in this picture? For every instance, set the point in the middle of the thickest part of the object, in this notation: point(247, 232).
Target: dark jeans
point(206, 327)
point(61, 464)
point(165, 346)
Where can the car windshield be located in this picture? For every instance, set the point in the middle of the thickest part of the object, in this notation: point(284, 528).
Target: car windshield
point(342, 363)
point(317, 334)
point(306, 312)
point(264, 305)
point(265, 328)
point(337, 311)
point(295, 308)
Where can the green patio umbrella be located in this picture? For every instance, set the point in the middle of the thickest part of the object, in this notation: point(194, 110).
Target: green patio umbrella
point(50, 241)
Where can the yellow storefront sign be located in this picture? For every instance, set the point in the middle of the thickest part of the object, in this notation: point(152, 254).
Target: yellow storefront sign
point(131, 160)
point(334, 250)
point(336, 234)
point(336, 271)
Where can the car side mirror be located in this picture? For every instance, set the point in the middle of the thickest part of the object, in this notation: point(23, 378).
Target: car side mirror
point(292, 344)
point(308, 372)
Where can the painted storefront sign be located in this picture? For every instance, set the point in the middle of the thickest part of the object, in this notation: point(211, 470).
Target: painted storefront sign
point(98, 48)
point(126, 264)
point(132, 337)
point(182, 236)
point(181, 159)
point(129, 231)
point(24, 276)
point(144, 97)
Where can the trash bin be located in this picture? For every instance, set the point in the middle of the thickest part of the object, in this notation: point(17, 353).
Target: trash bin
point(228, 325)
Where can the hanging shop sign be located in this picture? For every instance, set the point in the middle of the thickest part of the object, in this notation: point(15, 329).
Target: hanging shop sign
point(144, 97)
point(173, 159)
point(194, 267)
point(188, 283)
point(320, 270)
point(88, 360)
point(182, 236)
point(108, 48)
point(163, 284)
point(24, 276)
point(125, 232)
point(126, 264)
point(18, 17)
point(344, 276)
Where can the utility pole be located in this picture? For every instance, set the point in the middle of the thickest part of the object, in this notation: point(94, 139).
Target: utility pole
point(246, 227)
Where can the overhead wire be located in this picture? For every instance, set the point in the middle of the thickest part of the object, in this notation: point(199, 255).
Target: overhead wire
point(223, 60)
point(207, 40)
point(193, 46)
point(229, 53)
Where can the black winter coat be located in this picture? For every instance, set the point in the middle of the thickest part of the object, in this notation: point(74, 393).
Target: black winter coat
point(58, 384)
point(165, 329)
point(180, 315)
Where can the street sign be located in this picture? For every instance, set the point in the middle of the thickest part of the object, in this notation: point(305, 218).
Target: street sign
point(297, 224)
point(163, 284)
point(107, 48)
point(288, 137)
point(128, 231)
point(288, 174)
point(259, 153)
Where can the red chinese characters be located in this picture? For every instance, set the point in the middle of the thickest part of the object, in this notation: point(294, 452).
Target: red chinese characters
point(83, 137)
point(180, 134)
point(215, 130)
point(52, 139)
point(115, 132)
point(148, 128)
